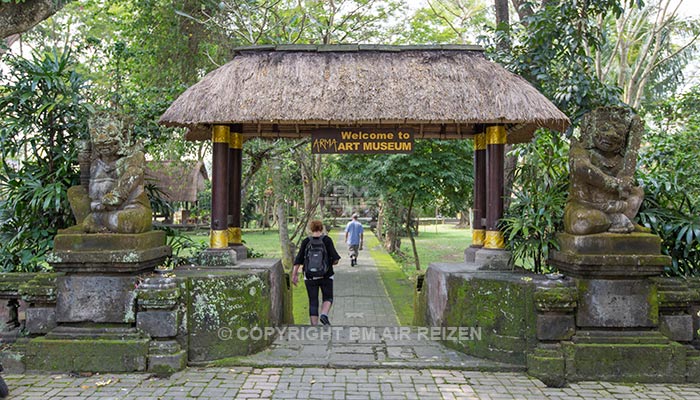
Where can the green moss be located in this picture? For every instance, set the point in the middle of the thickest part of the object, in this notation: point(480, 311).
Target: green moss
point(41, 288)
point(549, 366)
point(162, 295)
point(502, 306)
point(626, 362)
point(653, 300)
point(90, 355)
point(553, 298)
point(167, 364)
point(10, 282)
point(222, 310)
point(420, 302)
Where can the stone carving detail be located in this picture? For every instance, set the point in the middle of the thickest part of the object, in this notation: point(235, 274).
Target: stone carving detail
point(115, 200)
point(603, 196)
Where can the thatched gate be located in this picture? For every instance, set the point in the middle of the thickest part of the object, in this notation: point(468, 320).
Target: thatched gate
point(443, 91)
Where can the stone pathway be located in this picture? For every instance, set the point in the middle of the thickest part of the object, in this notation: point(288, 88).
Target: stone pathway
point(326, 383)
point(367, 347)
point(365, 331)
point(359, 297)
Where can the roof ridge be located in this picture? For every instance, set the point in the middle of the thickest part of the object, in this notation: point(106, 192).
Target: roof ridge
point(322, 48)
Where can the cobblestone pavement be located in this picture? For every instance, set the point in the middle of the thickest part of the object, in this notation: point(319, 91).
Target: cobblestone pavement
point(369, 347)
point(320, 383)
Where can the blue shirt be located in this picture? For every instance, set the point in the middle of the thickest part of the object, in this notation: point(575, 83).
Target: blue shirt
point(354, 230)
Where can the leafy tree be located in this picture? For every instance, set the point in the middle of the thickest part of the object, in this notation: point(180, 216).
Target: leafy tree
point(645, 50)
point(446, 21)
point(437, 169)
point(309, 21)
point(550, 47)
point(43, 112)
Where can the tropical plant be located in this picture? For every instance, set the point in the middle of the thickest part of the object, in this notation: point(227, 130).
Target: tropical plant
point(668, 172)
point(185, 250)
point(675, 217)
point(43, 114)
point(537, 210)
point(551, 46)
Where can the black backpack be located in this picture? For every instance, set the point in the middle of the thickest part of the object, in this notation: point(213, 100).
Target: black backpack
point(316, 260)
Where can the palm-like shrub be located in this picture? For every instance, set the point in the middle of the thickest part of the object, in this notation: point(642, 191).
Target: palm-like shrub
point(42, 114)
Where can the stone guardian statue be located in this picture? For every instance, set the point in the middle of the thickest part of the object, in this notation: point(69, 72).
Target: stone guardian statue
point(603, 196)
point(115, 201)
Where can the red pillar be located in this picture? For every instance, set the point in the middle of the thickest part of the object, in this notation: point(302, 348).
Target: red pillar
point(478, 228)
point(219, 191)
point(235, 174)
point(495, 146)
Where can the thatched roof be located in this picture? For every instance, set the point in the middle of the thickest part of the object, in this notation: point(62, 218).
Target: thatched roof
point(178, 180)
point(438, 91)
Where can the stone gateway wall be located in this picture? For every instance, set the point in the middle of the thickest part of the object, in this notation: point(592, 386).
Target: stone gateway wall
point(195, 315)
point(541, 323)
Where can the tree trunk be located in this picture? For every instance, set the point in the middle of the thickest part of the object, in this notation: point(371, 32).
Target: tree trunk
point(311, 179)
point(523, 8)
point(392, 239)
point(23, 16)
point(509, 164)
point(503, 22)
point(409, 230)
point(286, 244)
point(380, 221)
point(465, 220)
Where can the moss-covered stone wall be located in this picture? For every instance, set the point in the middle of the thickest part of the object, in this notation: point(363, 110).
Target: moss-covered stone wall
point(501, 306)
point(226, 312)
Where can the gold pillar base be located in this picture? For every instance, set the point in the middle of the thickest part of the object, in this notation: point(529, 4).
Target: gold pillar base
point(218, 239)
point(478, 236)
point(234, 236)
point(494, 240)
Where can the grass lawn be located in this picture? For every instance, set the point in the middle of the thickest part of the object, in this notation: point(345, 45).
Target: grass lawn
point(266, 243)
point(435, 243)
point(399, 287)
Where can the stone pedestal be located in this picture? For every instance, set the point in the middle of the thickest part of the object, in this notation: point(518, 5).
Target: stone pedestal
point(225, 257)
point(617, 312)
point(470, 253)
point(241, 251)
point(611, 272)
point(110, 253)
point(492, 259)
point(40, 292)
point(95, 297)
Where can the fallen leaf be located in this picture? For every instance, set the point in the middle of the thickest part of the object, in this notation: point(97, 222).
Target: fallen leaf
point(103, 383)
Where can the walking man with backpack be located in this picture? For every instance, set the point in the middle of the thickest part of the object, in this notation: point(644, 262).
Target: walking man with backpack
point(354, 236)
point(317, 255)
